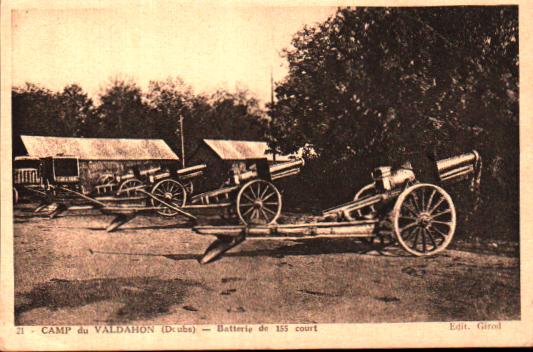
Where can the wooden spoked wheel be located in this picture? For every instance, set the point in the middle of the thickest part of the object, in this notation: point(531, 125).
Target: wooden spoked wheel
point(189, 187)
point(169, 191)
point(424, 219)
point(258, 203)
point(128, 188)
point(368, 190)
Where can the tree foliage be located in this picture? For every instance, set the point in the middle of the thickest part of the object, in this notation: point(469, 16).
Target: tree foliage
point(222, 114)
point(76, 112)
point(122, 111)
point(31, 107)
point(40, 111)
point(370, 86)
point(230, 115)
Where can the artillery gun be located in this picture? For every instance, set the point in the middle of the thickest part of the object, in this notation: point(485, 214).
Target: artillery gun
point(408, 203)
point(388, 184)
point(251, 194)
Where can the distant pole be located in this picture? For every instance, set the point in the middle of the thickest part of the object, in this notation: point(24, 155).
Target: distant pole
point(272, 101)
point(182, 141)
point(272, 30)
point(271, 86)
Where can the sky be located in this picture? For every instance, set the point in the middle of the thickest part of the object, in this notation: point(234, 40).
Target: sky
point(209, 47)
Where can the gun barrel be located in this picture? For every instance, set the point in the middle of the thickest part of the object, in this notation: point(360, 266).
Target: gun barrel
point(277, 171)
point(286, 166)
point(192, 169)
point(160, 176)
point(124, 177)
point(150, 171)
point(284, 174)
point(448, 165)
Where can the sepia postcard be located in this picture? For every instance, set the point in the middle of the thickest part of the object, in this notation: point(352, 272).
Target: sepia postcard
point(182, 175)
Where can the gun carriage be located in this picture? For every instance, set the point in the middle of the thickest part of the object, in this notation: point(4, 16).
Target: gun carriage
point(408, 204)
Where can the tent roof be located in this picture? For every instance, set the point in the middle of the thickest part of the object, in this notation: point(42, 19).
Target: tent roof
point(99, 148)
point(242, 150)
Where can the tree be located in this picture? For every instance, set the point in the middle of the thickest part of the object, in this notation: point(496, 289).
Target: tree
point(235, 115)
point(370, 85)
point(122, 111)
point(34, 112)
point(34, 109)
point(168, 101)
point(223, 114)
point(76, 112)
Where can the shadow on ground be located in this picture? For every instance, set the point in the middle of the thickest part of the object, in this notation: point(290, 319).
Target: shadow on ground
point(301, 248)
point(142, 297)
point(126, 229)
point(318, 246)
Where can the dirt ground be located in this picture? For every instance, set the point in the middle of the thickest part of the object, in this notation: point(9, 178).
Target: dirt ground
point(69, 270)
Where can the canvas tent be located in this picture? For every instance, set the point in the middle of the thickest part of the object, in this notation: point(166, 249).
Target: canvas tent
point(99, 148)
point(103, 155)
point(221, 155)
point(242, 150)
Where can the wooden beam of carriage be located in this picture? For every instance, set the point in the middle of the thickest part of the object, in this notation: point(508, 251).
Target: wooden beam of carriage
point(358, 228)
point(356, 204)
point(230, 236)
point(81, 195)
point(36, 191)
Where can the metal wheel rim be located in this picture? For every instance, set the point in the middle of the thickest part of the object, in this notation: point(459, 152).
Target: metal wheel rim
point(189, 187)
point(169, 191)
point(126, 184)
point(421, 215)
point(365, 191)
point(258, 202)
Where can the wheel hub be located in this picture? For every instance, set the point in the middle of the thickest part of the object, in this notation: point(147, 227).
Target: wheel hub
point(424, 220)
point(258, 204)
point(168, 195)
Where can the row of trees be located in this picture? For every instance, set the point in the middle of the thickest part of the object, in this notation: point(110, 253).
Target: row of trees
point(124, 110)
